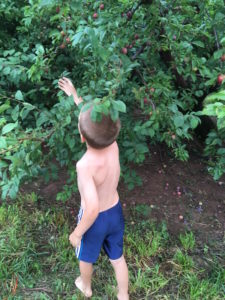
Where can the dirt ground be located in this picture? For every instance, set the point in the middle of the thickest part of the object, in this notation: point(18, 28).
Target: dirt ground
point(182, 194)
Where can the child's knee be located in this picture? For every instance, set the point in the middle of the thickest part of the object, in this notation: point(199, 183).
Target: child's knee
point(117, 261)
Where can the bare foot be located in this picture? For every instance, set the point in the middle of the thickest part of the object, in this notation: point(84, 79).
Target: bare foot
point(86, 291)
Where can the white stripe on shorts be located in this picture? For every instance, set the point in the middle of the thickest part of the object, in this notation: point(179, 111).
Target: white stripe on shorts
point(78, 249)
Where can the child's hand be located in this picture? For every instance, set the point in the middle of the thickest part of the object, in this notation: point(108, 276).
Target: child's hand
point(74, 239)
point(66, 85)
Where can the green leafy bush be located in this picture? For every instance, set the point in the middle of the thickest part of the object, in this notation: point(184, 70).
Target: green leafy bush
point(215, 146)
point(156, 60)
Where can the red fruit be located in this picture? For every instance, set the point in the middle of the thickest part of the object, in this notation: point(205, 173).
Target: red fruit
point(62, 46)
point(145, 100)
point(223, 57)
point(136, 36)
point(124, 50)
point(57, 9)
point(68, 40)
point(220, 78)
point(95, 15)
point(152, 90)
point(129, 14)
point(130, 46)
point(101, 6)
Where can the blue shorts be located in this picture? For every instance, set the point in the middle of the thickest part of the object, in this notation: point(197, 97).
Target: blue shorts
point(107, 232)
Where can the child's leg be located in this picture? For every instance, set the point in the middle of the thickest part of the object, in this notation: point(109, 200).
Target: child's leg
point(121, 270)
point(83, 282)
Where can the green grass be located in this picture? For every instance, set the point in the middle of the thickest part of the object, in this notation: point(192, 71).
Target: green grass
point(37, 261)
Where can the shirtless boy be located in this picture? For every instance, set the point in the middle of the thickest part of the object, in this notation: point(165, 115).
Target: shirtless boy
point(100, 220)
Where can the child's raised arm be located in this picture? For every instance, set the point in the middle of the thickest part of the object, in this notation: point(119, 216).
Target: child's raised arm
point(66, 85)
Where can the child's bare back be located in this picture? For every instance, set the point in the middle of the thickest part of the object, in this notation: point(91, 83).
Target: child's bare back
point(105, 168)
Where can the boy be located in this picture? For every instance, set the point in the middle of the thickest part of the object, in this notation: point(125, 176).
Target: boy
point(100, 220)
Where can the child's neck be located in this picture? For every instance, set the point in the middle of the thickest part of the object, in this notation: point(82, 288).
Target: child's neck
point(91, 149)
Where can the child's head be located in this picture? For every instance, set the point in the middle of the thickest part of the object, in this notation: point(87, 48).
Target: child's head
point(100, 134)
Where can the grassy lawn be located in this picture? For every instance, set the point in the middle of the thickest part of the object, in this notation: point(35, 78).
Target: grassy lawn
point(37, 261)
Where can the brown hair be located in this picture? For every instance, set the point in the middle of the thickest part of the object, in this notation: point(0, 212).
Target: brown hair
point(99, 134)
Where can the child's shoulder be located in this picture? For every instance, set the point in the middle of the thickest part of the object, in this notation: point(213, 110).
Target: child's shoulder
point(87, 162)
point(82, 163)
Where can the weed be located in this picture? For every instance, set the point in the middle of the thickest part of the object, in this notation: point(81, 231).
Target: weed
point(183, 261)
point(187, 241)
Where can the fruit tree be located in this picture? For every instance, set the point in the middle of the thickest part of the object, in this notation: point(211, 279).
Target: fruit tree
point(159, 64)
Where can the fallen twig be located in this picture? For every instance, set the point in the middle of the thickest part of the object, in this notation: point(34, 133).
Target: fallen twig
point(38, 289)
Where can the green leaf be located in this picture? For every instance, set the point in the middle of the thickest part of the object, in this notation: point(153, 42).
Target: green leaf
point(46, 3)
point(13, 190)
point(39, 49)
point(6, 71)
point(218, 54)
point(19, 95)
point(173, 107)
point(93, 115)
point(221, 151)
point(119, 105)
point(114, 114)
point(3, 143)
point(199, 43)
point(179, 121)
point(15, 113)
point(24, 112)
point(76, 38)
point(42, 119)
point(9, 127)
point(28, 106)
point(4, 107)
point(3, 164)
point(86, 106)
point(68, 120)
point(194, 122)
point(98, 108)
point(214, 97)
point(151, 132)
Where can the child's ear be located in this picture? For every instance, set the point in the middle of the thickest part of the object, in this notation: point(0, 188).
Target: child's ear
point(82, 139)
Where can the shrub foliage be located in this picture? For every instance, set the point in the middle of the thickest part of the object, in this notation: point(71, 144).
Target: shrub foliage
point(155, 60)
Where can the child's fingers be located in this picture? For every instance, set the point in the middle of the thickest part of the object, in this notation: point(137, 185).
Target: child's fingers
point(62, 88)
point(66, 79)
point(62, 81)
point(62, 84)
